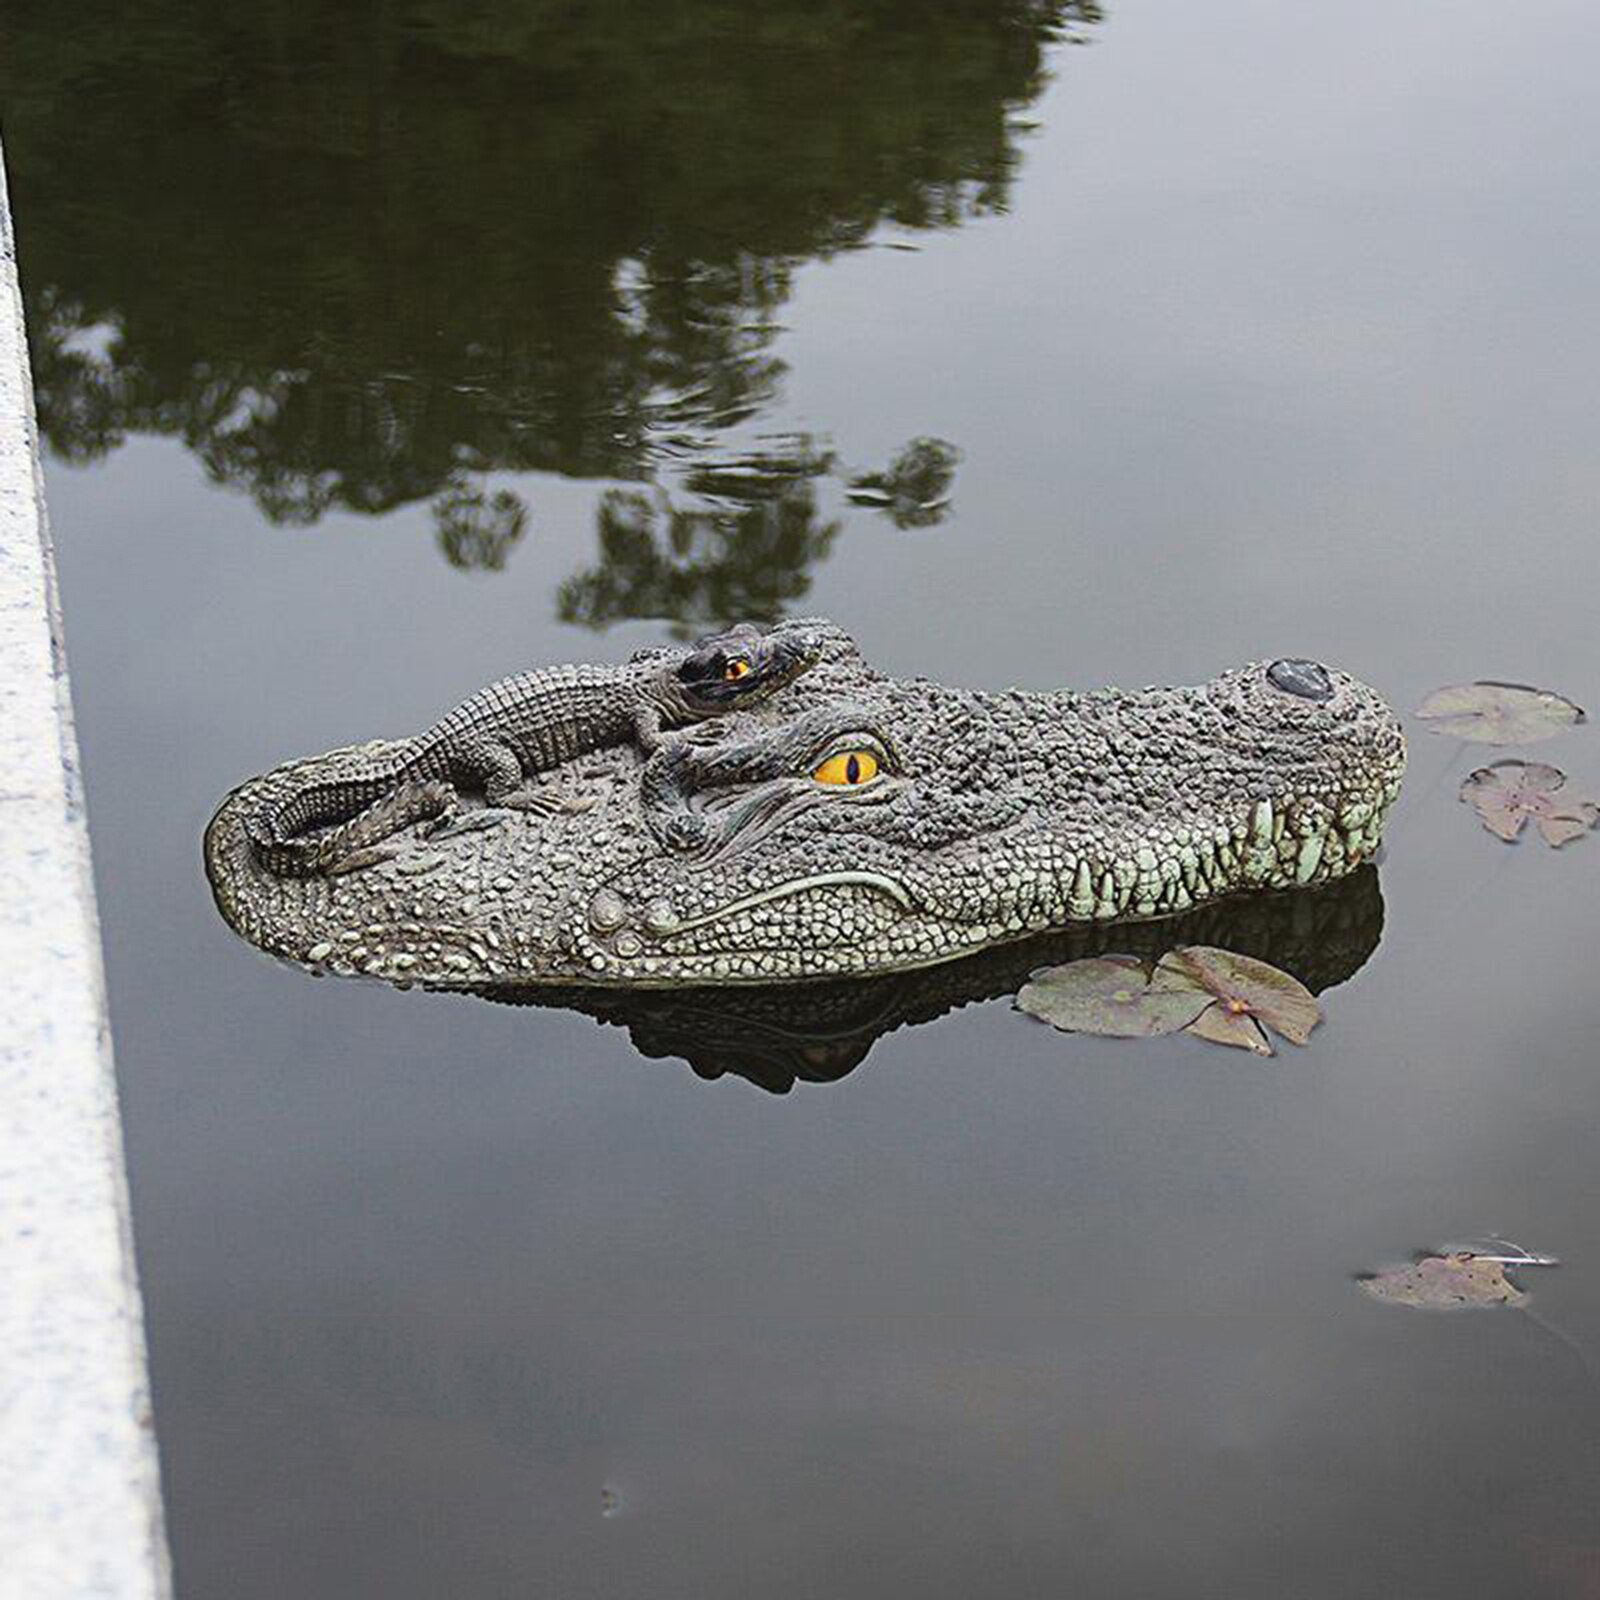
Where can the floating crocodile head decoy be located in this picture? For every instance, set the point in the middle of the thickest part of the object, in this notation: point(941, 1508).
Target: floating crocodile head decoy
point(853, 823)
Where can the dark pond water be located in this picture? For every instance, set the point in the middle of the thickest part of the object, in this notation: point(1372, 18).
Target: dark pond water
point(383, 349)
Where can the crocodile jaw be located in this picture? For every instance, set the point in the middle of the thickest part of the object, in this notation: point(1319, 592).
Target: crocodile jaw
point(861, 922)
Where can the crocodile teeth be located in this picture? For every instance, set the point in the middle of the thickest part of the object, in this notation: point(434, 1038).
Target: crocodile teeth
point(1110, 900)
point(1260, 861)
point(1309, 859)
point(1081, 899)
point(1261, 822)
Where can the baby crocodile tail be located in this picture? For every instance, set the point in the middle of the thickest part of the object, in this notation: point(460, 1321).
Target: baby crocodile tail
point(323, 822)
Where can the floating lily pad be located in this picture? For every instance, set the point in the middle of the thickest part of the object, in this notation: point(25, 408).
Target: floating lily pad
point(1498, 713)
point(1109, 995)
point(1222, 1024)
point(1508, 794)
point(1246, 997)
point(1460, 1281)
point(1213, 994)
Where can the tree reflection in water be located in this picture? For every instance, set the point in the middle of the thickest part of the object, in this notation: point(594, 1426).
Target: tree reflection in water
point(744, 547)
point(358, 257)
point(914, 490)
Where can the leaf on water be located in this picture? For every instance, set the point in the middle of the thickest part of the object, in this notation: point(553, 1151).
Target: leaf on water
point(1223, 1025)
point(1213, 994)
point(1498, 713)
point(1246, 997)
point(1111, 996)
point(1461, 1281)
point(1509, 793)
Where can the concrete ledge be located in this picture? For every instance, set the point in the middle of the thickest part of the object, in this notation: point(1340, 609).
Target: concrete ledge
point(80, 1508)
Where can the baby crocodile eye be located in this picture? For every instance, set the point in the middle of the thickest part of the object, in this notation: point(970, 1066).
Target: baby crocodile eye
point(849, 768)
point(736, 669)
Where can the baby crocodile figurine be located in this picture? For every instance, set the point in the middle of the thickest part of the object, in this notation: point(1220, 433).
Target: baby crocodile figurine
point(514, 731)
point(853, 822)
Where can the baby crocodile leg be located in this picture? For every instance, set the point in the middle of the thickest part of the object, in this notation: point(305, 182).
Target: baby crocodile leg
point(508, 786)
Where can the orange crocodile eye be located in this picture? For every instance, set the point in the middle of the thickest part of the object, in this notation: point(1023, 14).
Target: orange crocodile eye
point(736, 669)
point(849, 768)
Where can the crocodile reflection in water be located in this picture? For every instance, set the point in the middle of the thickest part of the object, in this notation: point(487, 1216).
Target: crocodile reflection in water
point(522, 238)
point(819, 1033)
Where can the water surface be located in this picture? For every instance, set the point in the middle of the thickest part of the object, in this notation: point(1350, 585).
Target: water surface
point(383, 351)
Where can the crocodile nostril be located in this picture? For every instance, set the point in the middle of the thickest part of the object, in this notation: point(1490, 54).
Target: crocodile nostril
point(1307, 679)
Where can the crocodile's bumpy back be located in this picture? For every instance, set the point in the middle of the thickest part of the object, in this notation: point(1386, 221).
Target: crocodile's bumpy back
point(854, 823)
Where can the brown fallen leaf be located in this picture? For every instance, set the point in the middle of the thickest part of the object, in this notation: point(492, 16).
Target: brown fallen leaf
point(1457, 1282)
point(1508, 794)
point(1224, 1022)
point(1487, 712)
point(1248, 997)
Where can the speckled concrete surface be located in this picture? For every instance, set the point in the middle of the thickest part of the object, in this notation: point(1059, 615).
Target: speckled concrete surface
point(80, 1511)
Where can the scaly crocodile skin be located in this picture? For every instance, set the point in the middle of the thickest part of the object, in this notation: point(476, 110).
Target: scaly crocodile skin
point(993, 816)
point(523, 726)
